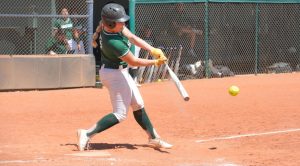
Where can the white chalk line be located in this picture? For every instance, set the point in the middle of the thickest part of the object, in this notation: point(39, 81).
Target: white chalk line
point(19, 161)
point(247, 135)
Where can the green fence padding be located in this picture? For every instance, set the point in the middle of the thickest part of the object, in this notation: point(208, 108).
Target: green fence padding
point(256, 1)
point(227, 1)
point(168, 1)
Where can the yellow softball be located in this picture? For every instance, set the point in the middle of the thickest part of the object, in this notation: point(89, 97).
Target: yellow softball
point(234, 90)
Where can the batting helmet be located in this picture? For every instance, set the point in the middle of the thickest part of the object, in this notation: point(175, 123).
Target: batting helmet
point(113, 12)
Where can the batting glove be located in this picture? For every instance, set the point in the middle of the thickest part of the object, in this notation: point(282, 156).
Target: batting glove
point(157, 53)
point(160, 61)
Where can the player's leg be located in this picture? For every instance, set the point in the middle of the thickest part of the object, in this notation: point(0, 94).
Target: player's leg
point(120, 95)
point(104, 123)
point(133, 71)
point(139, 112)
point(143, 120)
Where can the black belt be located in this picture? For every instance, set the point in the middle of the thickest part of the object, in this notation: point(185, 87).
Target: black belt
point(114, 66)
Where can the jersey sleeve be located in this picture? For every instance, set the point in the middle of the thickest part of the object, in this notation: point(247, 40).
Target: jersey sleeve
point(119, 47)
point(56, 25)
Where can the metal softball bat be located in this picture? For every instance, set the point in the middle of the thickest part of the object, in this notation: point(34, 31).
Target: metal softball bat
point(178, 84)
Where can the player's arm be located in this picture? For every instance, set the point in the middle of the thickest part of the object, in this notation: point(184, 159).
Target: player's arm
point(156, 52)
point(55, 27)
point(136, 40)
point(135, 61)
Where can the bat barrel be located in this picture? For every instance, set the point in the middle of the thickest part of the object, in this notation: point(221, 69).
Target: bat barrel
point(178, 84)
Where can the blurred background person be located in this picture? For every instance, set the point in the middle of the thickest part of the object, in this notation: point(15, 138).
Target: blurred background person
point(65, 23)
point(57, 44)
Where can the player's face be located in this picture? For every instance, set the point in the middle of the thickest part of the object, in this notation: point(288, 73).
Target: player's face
point(119, 26)
point(64, 12)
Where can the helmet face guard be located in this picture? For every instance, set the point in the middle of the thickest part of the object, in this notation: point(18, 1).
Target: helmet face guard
point(113, 12)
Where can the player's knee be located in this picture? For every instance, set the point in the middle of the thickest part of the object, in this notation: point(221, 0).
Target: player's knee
point(120, 116)
point(137, 106)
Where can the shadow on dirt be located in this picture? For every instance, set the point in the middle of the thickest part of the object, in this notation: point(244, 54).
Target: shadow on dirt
point(105, 146)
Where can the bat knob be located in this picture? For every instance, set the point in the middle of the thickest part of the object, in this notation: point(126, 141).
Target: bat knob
point(186, 98)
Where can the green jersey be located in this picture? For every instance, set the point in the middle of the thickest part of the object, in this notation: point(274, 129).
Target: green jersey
point(58, 47)
point(66, 26)
point(113, 46)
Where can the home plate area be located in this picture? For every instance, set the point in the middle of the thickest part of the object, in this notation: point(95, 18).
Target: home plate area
point(91, 154)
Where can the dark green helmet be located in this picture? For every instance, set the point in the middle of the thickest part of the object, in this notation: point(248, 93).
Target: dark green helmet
point(113, 12)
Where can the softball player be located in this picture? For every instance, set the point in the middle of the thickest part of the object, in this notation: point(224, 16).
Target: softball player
point(66, 24)
point(115, 41)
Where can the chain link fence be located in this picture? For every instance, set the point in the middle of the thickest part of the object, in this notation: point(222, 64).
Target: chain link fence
point(160, 25)
point(223, 39)
point(28, 27)
point(279, 37)
point(201, 39)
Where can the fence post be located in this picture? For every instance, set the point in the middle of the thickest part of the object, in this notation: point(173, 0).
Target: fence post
point(257, 29)
point(206, 38)
point(90, 25)
point(132, 20)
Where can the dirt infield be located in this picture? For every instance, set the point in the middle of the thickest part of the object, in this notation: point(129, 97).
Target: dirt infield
point(259, 127)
